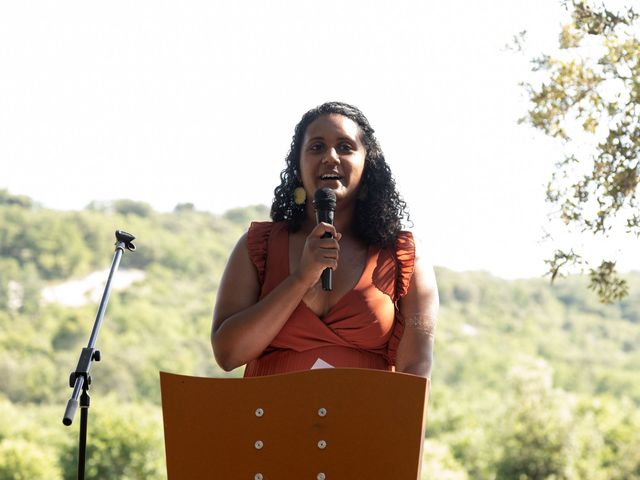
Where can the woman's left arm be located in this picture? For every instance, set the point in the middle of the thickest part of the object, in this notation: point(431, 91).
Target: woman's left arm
point(419, 308)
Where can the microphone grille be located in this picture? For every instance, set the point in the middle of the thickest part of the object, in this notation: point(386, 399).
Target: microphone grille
point(324, 199)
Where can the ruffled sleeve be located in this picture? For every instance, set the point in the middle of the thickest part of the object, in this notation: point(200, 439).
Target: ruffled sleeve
point(257, 243)
point(406, 256)
point(394, 268)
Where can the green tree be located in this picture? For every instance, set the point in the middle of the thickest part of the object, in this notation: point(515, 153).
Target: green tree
point(439, 463)
point(607, 439)
point(123, 442)
point(534, 437)
point(243, 216)
point(7, 198)
point(23, 460)
point(590, 96)
point(184, 207)
point(132, 207)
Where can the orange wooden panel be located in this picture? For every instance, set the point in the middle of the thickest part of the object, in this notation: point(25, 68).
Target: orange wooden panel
point(373, 426)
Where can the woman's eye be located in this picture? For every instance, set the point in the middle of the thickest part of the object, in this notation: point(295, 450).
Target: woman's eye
point(345, 147)
point(316, 147)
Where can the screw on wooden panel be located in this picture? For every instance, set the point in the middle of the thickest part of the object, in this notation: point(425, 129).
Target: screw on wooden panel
point(322, 444)
point(259, 412)
point(322, 412)
point(321, 476)
point(259, 444)
point(258, 476)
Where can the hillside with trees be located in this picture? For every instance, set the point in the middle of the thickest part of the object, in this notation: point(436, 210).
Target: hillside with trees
point(531, 381)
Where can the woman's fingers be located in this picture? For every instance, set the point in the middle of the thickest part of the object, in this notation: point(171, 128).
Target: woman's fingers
point(327, 252)
point(327, 242)
point(321, 250)
point(322, 229)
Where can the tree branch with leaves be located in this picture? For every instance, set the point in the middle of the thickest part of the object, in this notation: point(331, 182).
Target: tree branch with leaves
point(589, 99)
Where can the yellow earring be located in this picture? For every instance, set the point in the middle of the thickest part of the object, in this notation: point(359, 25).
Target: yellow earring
point(299, 196)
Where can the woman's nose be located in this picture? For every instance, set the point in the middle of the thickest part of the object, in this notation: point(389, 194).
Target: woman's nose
point(331, 156)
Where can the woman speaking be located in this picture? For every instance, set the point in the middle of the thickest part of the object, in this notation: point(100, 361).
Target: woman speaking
point(272, 313)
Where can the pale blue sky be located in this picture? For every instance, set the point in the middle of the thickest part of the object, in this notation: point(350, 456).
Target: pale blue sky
point(171, 102)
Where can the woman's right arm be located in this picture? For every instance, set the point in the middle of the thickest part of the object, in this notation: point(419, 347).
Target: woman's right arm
point(243, 326)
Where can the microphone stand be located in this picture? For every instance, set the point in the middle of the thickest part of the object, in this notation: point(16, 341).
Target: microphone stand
point(80, 378)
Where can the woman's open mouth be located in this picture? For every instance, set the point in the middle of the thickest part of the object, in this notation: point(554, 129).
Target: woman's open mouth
point(330, 176)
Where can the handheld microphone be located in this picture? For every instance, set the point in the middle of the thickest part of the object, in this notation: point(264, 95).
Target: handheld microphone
point(324, 202)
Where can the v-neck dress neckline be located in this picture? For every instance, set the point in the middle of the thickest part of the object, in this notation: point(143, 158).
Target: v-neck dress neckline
point(362, 329)
point(359, 283)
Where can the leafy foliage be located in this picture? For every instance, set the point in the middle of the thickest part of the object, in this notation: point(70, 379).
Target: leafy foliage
point(589, 98)
point(22, 460)
point(126, 445)
point(534, 437)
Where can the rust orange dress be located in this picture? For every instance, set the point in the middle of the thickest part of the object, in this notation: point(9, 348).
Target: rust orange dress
point(362, 330)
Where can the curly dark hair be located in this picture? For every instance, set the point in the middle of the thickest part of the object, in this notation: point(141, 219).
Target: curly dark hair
point(379, 208)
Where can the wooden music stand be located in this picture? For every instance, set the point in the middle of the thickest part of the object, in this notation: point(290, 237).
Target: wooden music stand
point(333, 424)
